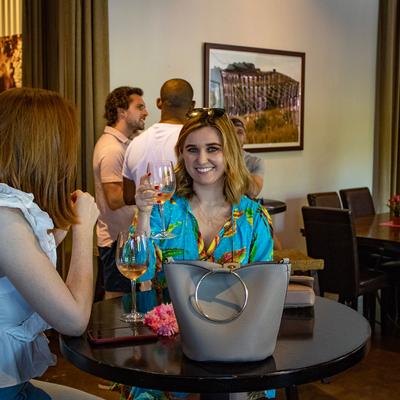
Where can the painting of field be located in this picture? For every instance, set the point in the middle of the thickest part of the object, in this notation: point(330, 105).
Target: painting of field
point(264, 87)
point(271, 126)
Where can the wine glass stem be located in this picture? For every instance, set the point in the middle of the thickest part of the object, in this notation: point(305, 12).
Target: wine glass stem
point(133, 290)
point(161, 207)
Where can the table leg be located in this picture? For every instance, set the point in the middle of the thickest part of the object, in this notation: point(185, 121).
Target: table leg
point(291, 393)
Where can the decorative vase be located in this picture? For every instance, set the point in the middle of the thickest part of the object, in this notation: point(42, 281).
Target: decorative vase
point(396, 219)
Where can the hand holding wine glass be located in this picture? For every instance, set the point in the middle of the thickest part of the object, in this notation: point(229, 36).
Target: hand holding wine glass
point(132, 258)
point(162, 180)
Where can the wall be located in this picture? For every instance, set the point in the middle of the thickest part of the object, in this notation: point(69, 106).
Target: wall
point(154, 40)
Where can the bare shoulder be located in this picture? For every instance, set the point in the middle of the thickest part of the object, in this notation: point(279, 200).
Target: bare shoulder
point(15, 234)
point(13, 226)
point(14, 229)
point(18, 244)
point(9, 215)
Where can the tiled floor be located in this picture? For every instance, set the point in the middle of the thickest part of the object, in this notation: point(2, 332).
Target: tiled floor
point(377, 377)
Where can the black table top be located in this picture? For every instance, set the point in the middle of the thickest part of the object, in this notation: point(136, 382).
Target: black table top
point(273, 206)
point(312, 344)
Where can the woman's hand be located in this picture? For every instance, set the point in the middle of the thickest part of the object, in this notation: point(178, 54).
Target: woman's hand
point(145, 195)
point(85, 208)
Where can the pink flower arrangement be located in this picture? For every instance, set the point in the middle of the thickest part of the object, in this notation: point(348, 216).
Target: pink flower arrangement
point(394, 205)
point(162, 320)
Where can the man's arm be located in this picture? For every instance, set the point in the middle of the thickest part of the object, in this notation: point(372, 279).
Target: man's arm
point(129, 191)
point(113, 194)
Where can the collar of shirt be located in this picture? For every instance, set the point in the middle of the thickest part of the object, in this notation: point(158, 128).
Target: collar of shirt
point(117, 134)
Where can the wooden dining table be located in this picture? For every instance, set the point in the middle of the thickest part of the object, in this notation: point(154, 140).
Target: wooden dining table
point(374, 231)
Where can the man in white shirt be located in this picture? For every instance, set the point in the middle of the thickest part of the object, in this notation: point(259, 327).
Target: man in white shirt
point(125, 112)
point(158, 142)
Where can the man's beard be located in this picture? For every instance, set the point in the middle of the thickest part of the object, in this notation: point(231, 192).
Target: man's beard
point(137, 126)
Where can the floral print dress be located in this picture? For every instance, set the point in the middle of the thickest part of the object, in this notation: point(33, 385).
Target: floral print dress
point(244, 238)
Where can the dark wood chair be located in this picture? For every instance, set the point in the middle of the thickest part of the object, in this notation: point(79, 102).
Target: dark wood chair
point(330, 235)
point(358, 200)
point(324, 199)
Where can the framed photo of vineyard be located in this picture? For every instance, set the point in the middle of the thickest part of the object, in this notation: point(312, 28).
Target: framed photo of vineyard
point(264, 87)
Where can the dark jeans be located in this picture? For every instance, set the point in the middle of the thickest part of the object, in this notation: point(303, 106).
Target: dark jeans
point(23, 391)
point(114, 281)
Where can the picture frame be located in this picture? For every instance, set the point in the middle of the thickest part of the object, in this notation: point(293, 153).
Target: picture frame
point(264, 88)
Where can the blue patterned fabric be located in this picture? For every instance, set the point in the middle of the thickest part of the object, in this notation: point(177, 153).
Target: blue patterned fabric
point(23, 391)
point(245, 237)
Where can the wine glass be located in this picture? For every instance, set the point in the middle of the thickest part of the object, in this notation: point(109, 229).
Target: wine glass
point(162, 179)
point(132, 258)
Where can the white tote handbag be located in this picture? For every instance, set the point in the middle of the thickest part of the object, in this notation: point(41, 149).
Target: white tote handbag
point(226, 313)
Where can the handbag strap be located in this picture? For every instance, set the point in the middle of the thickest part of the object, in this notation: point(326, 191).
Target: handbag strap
point(220, 271)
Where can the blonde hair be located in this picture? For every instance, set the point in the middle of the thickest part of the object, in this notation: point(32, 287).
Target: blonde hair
point(237, 176)
point(38, 149)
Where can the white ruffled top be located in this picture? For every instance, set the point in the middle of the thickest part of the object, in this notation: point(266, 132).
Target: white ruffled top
point(24, 349)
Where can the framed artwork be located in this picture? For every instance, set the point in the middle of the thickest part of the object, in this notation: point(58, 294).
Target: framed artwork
point(264, 87)
point(10, 62)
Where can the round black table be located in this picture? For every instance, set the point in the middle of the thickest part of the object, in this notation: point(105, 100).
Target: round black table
point(273, 206)
point(313, 344)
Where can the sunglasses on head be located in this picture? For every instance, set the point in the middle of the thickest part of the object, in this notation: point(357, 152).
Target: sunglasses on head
point(206, 113)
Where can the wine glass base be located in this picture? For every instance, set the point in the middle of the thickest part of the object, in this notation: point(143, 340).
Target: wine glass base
point(163, 235)
point(132, 317)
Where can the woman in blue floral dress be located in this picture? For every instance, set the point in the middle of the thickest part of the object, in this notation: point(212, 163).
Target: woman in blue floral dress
point(209, 214)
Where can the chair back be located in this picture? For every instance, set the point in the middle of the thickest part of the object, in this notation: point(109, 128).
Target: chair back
point(324, 199)
point(358, 200)
point(330, 235)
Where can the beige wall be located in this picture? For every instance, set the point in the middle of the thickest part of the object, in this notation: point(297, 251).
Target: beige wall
point(154, 40)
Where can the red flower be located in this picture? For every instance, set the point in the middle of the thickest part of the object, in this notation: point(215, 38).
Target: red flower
point(162, 320)
point(394, 205)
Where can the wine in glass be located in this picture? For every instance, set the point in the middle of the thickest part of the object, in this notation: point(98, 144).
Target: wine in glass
point(162, 179)
point(132, 258)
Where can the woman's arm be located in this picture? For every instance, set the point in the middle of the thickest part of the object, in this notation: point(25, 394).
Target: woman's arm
point(65, 306)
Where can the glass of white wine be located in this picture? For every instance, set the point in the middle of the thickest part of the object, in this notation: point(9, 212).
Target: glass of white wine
point(132, 259)
point(162, 180)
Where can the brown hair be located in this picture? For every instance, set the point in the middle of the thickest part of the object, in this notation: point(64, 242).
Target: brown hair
point(38, 149)
point(119, 98)
point(237, 177)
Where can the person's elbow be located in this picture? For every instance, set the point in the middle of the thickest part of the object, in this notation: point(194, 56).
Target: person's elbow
point(73, 325)
point(77, 330)
point(115, 205)
point(114, 199)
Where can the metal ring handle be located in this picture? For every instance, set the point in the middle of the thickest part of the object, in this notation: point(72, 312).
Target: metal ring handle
point(201, 311)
